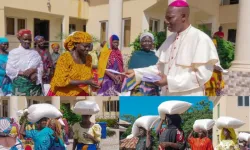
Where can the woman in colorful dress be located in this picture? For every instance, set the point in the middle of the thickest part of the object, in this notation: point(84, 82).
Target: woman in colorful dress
point(145, 141)
point(144, 58)
point(228, 140)
point(46, 58)
point(43, 136)
point(86, 134)
point(216, 84)
point(200, 143)
point(25, 67)
point(73, 75)
point(172, 136)
point(110, 58)
point(5, 82)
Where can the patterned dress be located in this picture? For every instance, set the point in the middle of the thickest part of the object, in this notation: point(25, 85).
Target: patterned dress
point(200, 144)
point(47, 64)
point(5, 82)
point(44, 139)
point(67, 70)
point(108, 87)
point(83, 142)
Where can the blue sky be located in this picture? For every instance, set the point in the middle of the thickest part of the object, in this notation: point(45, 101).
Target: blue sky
point(148, 105)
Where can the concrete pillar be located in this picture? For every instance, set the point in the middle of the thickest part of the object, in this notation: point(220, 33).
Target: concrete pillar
point(55, 100)
point(242, 53)
point(115, 18)
point(3, 23)
point(65, 25)
point(145, 23)
point(13, 106)
point(168, 32)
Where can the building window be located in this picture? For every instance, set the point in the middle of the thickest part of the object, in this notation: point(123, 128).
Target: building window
point(232, 35)
point(84, 28)
point(35, 102)
point(104, 31)
point(218, 110)
point(10, 22)
point(154, 25)
point(229, 2)
point(13, 25)
point(234, 2)
point(243, 101)
point(5, 108)
point(126, 23)
point(20, 24)
point(246, 101)
point(240, 101)
point(111, 106)
point(72, 28)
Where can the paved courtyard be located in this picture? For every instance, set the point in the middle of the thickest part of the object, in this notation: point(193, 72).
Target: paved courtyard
point(110, 143)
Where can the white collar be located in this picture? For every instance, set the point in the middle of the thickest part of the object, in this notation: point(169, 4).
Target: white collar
point(185, 31)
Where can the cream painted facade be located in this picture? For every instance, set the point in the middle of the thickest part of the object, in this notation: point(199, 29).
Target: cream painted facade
point(229, 106)
point(10, 105)
point(59, 14)
point(80, 14)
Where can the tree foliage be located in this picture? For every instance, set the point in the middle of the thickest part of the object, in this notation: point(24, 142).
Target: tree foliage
point(199, 111)
point(131, 119)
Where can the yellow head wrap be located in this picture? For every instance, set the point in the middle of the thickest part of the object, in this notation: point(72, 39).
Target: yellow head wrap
point(77, 37)
point(232, 135)
point(54, 45)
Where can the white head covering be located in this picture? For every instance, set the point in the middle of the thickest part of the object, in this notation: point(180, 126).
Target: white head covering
point(147, 34)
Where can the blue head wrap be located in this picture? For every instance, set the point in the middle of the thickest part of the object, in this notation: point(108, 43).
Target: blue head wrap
point(114, 37)
point(38, 37)
point(3, 40)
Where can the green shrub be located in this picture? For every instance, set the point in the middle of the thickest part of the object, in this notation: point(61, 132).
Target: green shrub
point(226, 51)
point(71, 117)
point(110, 133)
point(110, 122)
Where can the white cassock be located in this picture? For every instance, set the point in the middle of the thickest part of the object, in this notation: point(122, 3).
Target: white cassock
point(187, 59)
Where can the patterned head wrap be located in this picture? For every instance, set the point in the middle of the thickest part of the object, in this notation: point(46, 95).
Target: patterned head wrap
point(38, 37)
point(232, 134)
point(3, 40)
point(77, 37)
point(22, 32)
point(147, 34)
point(54, 45)
point(111, 39)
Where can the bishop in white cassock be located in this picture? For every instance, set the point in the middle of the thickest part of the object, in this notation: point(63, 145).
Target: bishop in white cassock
point(186, 59)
